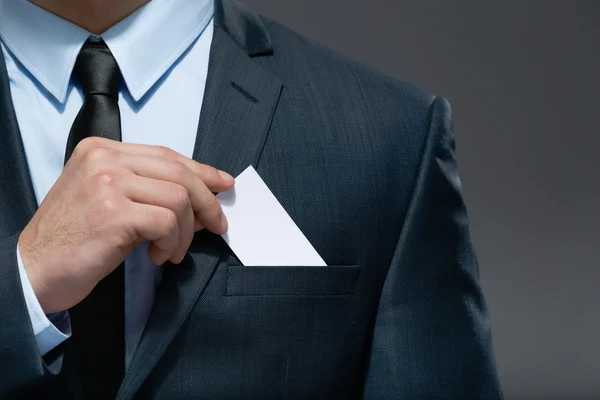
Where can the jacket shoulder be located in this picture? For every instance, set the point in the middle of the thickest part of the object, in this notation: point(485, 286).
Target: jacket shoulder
point(304, 62)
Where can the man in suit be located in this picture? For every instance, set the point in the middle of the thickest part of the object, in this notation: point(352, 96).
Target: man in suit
point(118, 120)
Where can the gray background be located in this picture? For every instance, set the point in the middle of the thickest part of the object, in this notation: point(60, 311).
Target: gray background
point(523, 80)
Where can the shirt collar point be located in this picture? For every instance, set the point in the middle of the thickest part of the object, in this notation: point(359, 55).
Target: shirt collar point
point(138, 88)
point(137, 95)
point(61, 95)
point(58, 92)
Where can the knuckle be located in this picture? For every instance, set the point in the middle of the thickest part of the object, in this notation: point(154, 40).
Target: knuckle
point(99, 154)
point(181, 197)
point(208, 170)
point(178, 170)
point(103, 187)
point(104, 179)
point(168, 221)
point(86, 145)
point(200, 169)
point(213, 204)
point(164, 151)
point(93, 141)
point(107, 207)
point(211, 209)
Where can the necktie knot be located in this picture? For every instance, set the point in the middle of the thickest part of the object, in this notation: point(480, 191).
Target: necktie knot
point(98, 70)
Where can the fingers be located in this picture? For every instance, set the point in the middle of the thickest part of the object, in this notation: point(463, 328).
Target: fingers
point(215, 180)
point(158, 225)
point(171, 195)
point(168, 195)
point(206, 209)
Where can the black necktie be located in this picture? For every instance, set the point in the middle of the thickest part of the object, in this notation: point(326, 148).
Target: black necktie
point(98, 322)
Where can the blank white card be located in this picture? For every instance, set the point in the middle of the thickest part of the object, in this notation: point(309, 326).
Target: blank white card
point(261, 233)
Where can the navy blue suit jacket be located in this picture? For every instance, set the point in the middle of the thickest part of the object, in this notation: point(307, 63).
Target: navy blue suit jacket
point(365, 165)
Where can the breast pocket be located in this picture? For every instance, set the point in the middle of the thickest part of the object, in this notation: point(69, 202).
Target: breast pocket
point(333, 280)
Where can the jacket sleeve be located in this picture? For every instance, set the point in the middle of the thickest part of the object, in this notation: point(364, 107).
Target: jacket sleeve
point(49, 330)
point(431, 336)
point(22, 368)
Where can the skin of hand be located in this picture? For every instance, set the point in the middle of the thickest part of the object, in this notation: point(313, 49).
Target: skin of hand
point(111, 197)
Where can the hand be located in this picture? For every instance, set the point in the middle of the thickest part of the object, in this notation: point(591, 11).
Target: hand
point(110, 198)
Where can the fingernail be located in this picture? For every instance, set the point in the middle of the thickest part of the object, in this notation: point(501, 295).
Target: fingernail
point(224, 223)
point(226, 177)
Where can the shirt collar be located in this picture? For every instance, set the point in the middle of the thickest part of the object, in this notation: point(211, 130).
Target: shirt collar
point(145, 44)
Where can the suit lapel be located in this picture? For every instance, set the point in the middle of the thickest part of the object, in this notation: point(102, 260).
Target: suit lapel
point(239, 101)
point(17, 198)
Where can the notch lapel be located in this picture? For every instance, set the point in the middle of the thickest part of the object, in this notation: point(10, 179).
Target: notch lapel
point(17, 198)
point(238, 106)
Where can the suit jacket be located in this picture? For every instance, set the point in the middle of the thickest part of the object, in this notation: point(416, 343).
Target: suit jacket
point(365, 165)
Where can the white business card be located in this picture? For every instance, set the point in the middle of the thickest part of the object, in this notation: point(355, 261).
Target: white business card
point(261, 233)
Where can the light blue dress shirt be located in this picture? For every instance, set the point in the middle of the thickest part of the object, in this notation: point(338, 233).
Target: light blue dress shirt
point(162, 51)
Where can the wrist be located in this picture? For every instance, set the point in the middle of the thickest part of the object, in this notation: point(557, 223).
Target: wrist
point(38, 289)
point(29, 264)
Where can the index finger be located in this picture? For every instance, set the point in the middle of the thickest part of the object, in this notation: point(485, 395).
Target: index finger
point(216, 180)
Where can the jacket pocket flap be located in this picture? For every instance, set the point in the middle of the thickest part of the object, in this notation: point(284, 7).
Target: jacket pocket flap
point(291, 280)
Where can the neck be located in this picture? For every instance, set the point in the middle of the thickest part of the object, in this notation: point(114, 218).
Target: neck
point(95, 16)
